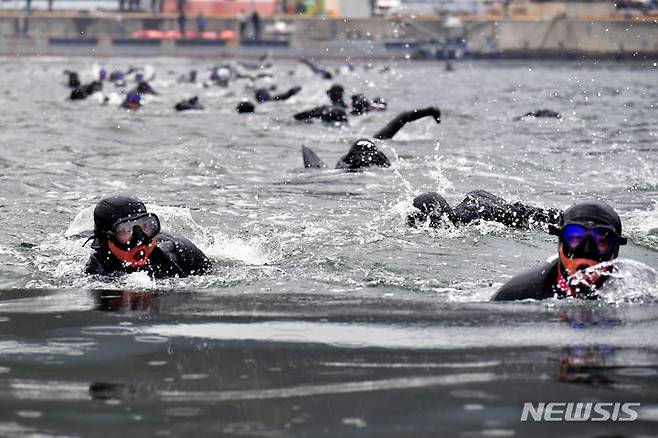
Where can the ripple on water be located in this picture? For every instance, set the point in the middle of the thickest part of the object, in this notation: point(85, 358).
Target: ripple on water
point(29, 414)
point(108, 331)
point(183, 412)
point(637, 372)
point(318, 390)
point(648, 413)
point(80, 342)
point(473, 393)
point(151, 339)
point(194, 376)
point(354, 421)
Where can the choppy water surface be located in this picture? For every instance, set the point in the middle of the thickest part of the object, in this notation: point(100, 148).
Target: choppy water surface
point(325, 314)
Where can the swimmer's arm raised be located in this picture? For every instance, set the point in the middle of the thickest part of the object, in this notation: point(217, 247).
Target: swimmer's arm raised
point(402, 119)
point(317, 70)
point(288, 94)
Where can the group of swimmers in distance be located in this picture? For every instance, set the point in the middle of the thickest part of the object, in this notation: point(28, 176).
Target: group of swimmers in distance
point(127, 238)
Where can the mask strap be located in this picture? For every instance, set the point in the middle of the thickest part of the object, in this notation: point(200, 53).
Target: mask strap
point(553, 230)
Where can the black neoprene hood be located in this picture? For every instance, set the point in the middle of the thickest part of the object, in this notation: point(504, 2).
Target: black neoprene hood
point(114, 208)
point(592, 213)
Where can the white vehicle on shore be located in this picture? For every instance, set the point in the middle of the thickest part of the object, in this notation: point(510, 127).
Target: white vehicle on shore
point(387, 7)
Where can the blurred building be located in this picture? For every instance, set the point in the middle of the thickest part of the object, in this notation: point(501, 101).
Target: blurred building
point(349, 8)
point(534, 8)
point(548, 9)
point(223, 7)
point(443, 7)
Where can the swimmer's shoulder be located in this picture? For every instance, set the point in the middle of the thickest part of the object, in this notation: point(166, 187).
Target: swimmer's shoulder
point(181, 252)
point(536, 283)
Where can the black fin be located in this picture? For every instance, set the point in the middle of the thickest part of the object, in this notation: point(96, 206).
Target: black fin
point(311, 159)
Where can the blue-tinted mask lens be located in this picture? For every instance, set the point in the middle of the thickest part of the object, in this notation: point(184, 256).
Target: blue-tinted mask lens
point(574, 237)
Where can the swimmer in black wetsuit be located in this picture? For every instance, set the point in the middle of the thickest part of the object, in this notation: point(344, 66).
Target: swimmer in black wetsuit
point(132, 102)
point(245, 107)
point(74, 79)
point(84, 91)
point(189, 104)
point(542, 113)
point(221, 76)
point(317, 70)
point(336, 94)
point(263, 95)
point(361, 104)
point(127, 239)
point(432, 208)
point(364, 152)
point(144, 87)
point(589, 234)
point(337, 111)
point(326, 113)
point(117, 76)
point(334, 113)
point(402, 119)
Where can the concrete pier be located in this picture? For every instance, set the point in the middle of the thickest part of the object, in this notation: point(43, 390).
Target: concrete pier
point(558, 36)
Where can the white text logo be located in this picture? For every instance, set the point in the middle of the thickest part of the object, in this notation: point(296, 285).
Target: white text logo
point(599, 411)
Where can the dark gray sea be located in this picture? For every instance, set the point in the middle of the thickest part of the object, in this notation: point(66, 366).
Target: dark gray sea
point(324, 314)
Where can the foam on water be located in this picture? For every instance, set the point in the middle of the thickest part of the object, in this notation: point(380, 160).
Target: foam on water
point(251, 252)
point(632, 282)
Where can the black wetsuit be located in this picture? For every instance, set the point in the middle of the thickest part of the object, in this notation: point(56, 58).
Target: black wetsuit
point(402, 119)
point(541, 114)
point(144, 88)
point(245, 107)
point(189, 104)
point(541, 283)
point(86, 90)
point(336, 93)
point(596, 235)
point(538, 283)
point(173, 256)
point(263, 95)
point(317, 70)
point(327, 113)
point(480, 205)
point(364, 152)
point(74, 79)
point(360, 105)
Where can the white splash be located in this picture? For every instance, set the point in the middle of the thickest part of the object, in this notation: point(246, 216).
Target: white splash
point(251, 252)
point(631, 281)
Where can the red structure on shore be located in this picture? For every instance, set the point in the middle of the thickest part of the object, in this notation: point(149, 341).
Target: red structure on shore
point(223, 7)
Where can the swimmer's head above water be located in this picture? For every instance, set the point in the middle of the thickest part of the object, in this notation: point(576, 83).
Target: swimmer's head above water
point(589, 238)
point(336, 94)
point(125, 230)
point(589, 233)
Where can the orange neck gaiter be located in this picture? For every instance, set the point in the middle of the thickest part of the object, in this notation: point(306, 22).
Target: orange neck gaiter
point(137, 257)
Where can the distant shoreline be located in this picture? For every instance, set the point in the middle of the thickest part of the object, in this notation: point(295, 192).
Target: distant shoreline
point(557, 38)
